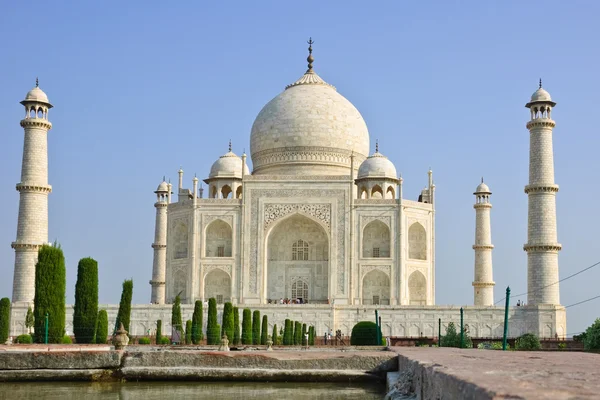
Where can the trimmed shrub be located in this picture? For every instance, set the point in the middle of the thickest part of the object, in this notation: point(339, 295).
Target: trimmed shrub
point(124, 314)
point(304, 338)
point(311, 336)
point(452, 338)
point(85, 310)
point(144, 340)
point(176, 321)
point(247, 326)
point(24, 339)
point(165, 340)
point(364, 334)
point(264, 331)
point(197, 321)
point(102, 327)
point(158, 331)
point(288, 333)
point(212, 333)
point(591, 339)
point(188, 331)
point(528, 342)
point(4, 319)
point(256, 327)
point(274, 336)
point(227, 325)
point(29, 320)
point(297, 333)
point(50, 287)
point(236, 326)
point(66, 340)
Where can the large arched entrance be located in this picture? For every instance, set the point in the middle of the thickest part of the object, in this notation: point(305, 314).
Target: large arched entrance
point(297, 261)
point(376, 288)
point(417, 289)
point(217, 284)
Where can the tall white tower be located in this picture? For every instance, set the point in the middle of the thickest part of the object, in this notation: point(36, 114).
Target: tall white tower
point(32, 225)
point(542, 245)
point(483, 284)
point(159, 264)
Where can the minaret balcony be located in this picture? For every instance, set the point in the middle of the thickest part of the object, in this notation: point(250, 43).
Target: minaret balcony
point(541, 188)
point(36, 123)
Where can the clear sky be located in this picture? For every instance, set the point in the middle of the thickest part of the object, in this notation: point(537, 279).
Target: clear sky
point(140, 88)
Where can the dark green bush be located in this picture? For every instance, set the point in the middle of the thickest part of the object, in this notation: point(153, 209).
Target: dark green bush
point(297, 333)
point(158, 331)
point(50, 286)
point(264, 332)
point(591, 339)
point(275, 336)
point(227, 325)
point(197, 322)
point(29, 320)
point(247, 326)
point(212, 333)
point(188, 331)
point(304, 338)
point(85, 310)
point(102, 327)
point(256, 327)
point(4, 319)
point(67, 340)
point(528, 341)
point(236, 326)
point(288, 338)
point(176, 321)
point(165, 340)
point(144, 340)
point(364, 334)
point(24, 339)
point(124, 314)
point(452, 338)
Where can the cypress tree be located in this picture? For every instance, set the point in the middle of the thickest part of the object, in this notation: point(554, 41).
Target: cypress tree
point(29, 321)
point(286, 333)
point(275, 337)
point(197, 317)
point(176, 321)
point(236, 326)
point(85, 310)
point(247, 326)
point(304, 340)
point(102, 329)
point(188, 331)
point(227, 325)
point(311, 336)
point(264, 332)
point(158, 331)
point(297, 333)
point(50, 287)
point(124, 314)
point(4, 319)
point(212, 328)
point(256, 327)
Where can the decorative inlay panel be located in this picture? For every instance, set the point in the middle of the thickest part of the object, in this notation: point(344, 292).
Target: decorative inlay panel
point(207, 219)
point(206, 269)
point(365, 219)
point(365, 269)
point(320, 212)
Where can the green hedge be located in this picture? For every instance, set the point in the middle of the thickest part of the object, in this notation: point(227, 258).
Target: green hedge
point(124, 314)
point(197, 322)
point(591, 339)
point(304, 338)
point(165, 340)
point(176, 321)
point(66, 340)
point(256, 327)
point(288, 337)
point(188, 331)
point(364, 334)
point(275, 336)
point(227, 326)
point(236, 326)
point(264, 331)
point(85, 310)
point(158, 331)
point(29, 320)
point(24, 339)
point(452, 338)
point(102, 327)
point(50, 287)
point(247, 326)
point(4, 319)
point(528, 341)
point(297, 333)
point(144, 340)
point(213, 330)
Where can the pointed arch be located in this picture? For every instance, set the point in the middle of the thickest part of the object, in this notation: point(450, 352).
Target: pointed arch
point(219, 239)
point(180, 239)
point(213, 192)
point(417, 289)
point(179, 284)
point(226, 191)
point(417, 242)
point(217, 284)
point(390, 193)
point(376, 192)
point(376, 288)
point(376, 240)
point(363, 194)
point(238, 192)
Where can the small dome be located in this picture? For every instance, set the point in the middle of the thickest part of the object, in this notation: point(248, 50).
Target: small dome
point(228, 165)
point(36, 94)
point(377, 166)
point(540, 95)
point(162, 188)
point(482, 188)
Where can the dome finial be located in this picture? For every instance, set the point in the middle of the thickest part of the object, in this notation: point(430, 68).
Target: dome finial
point(540, 83)
point(37, 82)
point(230, 145)
point(482, 179)
point(310, 58)
point(376, 145)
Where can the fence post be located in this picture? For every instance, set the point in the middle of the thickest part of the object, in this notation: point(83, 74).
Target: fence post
point(462, 330)
point(46, 330)
point(439, 332)
point(506, 318)
point(377, 328)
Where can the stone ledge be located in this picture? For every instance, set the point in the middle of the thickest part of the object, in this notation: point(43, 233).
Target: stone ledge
point(58, 360)
point(71, 375)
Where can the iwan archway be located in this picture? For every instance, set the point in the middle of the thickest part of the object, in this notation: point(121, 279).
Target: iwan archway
point(297, 258)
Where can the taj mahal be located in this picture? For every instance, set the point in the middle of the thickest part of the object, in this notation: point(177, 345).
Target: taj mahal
point(319, 230)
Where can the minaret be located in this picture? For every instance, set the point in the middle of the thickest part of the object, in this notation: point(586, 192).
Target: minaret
point(542, 245)
point(483, 284)
point(32, 225)
point(159, 264)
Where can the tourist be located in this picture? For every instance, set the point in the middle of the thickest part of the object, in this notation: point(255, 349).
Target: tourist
point(325, 338)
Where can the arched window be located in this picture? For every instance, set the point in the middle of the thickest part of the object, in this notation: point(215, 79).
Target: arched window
point(219, 239)
point(300, 251)
point(376, 192)
point(417, 289)
point(299, 289)
point(181, 240)
point(376, 240)
point(226, 191)
point(417, 242)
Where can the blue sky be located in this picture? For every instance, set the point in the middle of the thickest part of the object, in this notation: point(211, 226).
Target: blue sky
point(141, 88)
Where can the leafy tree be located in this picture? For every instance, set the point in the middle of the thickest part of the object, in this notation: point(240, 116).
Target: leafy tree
point(227, 326)
point(256, 327)
point(188, 331)
point(304, 339)
point(236, 326)
point(29, 320)
point(297, 333)
point(212, 328)
point(176, 321)
point(158, 331)
point(50, 287)
point(274, 336)
point(591, 339)
point(264, 332)
point(247, 326)
point(85, 310)
point(364, 333)
point(287, 333)
point(452, 338)
point(197, 323)
point(124, 314)
point(4, 319)
point(102, 327)
point(528, 341)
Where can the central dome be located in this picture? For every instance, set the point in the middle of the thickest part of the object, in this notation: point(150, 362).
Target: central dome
point(308, 129)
